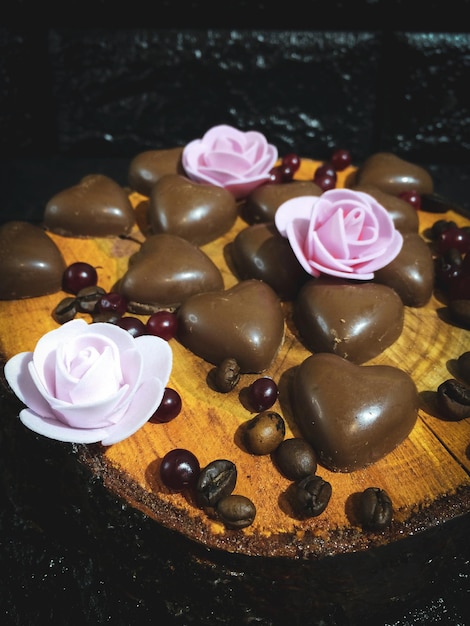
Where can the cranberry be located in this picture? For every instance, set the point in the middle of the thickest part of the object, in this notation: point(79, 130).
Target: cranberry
point(340, 160)
point(112, 302)
point(169, 408)
point(163, 324)
point(325, 177)
point(276, 176)
point(291, 161)
point(133, 325)
point(412, 197)
point(453, 237)
point(262, 393)
point(77, 276)
point(179, 469)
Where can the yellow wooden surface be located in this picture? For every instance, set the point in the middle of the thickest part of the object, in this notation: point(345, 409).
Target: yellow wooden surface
point(430, 467)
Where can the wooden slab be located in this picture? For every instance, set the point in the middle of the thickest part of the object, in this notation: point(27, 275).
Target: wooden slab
point(427, 477)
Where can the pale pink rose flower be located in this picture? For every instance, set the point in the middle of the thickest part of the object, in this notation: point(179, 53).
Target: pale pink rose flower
point(86, 383)
point(343, 233)
point(229, 158)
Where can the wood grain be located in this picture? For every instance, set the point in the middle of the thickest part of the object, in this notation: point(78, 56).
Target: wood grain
point(427, 476)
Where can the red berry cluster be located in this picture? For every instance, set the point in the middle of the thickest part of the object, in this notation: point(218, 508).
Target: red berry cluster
point(451, 245)
point(325, 175)
point(284, 172)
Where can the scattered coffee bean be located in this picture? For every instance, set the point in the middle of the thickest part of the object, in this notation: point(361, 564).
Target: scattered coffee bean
point(264, 432)
point(460, 311)
point(375, 509)
point(454, 399)
point(65, 310)
point(236, 511)
point(217, 480)
point(295, 458)
point(312, 495)
point(227, 375)
point(463, 363)
point(88, 298)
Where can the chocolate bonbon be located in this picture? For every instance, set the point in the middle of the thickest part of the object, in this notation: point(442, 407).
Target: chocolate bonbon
point(393, 175)
point(353, 320)
point(261, 205)
point(353, 415)
point(245, 323)
point(166, 271)
point(404, 216)
point(32, 265)
point(147, 167)
point(96, 207)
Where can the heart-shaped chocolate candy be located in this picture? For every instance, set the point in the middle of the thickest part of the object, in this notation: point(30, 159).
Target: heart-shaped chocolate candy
point(260, 252)
point(393, 175)
point(411, 273)
point(96, 207)
point(351, 319)
point(148, 167)
point(404, 216)
point(245, 322)
point(166, 271)
point(198, 213)
point(32, 265)
point(353, 415)
point(262, 204)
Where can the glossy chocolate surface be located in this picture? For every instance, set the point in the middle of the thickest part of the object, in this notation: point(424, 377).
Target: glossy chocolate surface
point(411, 273)
point(262, 204)
point(260, 252)
point(146, 168)
point(96, 207)
point(350, 319)
point(404, 216)
point(391, 174)
point(245, 322)
point(353, 415)
point(32, 265)
point(198, 213)
point(165, 272)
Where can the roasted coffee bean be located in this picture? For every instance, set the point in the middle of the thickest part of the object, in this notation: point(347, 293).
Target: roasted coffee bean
point(236, 511)
point(88, 298)
point(227, 375)
point(295, 458)
point(264, 432)
point(454, 399)
point(65, 310)
point(216, 481)
point(460, 311)
point(463, 363)
point(312, 495)
point(375, 509)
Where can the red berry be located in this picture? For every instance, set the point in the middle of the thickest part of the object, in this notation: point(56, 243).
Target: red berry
point(77, 276)
point(179, 469)
point(340, 160)
point(169, 408)
point(112, 302)
point(412, 197)
point(133, 325)
point(325, 177)
point(292, 161)
point(163, 324)
point(453, 237)
point(262, 393)
point(276, 176)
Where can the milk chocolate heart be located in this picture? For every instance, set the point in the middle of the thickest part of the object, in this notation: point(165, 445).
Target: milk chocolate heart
point(96, 207)
point(411, 273)
point(404, 216)
point(393, 175)
point(245, 322)
point(353, 415)
point(353, 320)
point(30, 262)
point(262, 204)
point(165, 272)
point(198, 213)
point(260, 252)
point(148, 167)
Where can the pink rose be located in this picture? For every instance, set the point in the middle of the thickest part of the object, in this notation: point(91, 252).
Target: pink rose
point(229, 158)
point(343, 233)
point(86, 383)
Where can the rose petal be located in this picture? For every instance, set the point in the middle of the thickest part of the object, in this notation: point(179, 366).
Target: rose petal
point(157, 357)
point(54, 429)
point(18, 377)
point(295, 209)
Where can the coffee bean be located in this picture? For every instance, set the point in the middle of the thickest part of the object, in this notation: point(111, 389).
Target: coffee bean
point(312, 495)
point(264, 432)
point(65, 310)
point(454, 399)
point(216, 481)
point(88, 298)
point(236, 511)
point(295, 458)
point(375, 509)
point(459, 310)
point(227, 375)
point(463, 363)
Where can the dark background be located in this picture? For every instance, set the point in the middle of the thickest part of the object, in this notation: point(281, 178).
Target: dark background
point(85, 86)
